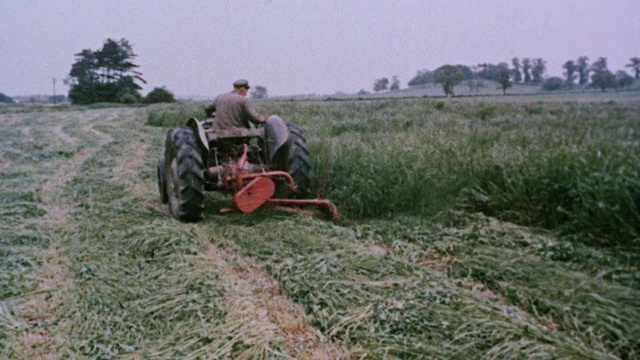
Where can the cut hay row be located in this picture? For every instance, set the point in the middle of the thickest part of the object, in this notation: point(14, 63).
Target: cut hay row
point(31, 336)
point(140, 286)
point(385, 288)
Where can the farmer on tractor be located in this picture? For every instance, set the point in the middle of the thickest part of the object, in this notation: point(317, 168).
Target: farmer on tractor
point(268, 164)
point(233, 109)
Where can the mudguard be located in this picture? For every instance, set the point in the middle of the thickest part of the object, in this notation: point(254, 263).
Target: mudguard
point(197, 127)
point(276, 134)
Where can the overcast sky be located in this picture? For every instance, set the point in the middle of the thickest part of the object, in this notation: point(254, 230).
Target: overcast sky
point(303, 46)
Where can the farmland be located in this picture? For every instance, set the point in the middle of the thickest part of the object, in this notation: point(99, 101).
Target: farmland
point(488, 227)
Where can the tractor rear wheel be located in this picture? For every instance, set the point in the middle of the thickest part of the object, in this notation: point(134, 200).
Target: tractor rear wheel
point(294, 159)
point(184, 171)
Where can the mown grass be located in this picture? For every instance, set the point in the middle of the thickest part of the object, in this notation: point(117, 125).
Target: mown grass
point(23, 169)
point(134, 282)
point(569, 166)
point(412, 289)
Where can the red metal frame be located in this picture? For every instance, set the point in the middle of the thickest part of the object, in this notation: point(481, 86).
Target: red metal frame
point(239, 175)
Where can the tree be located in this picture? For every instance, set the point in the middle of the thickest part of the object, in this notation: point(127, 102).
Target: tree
point(395, 83)
point(602, 78)
point(488, 71)
point(475, 82)
point(422, 77)
point(583, 70)
point(5, 99)
point(635, 65)
point(553, 83)
point(600, 65)
point(259, 92)
point(380, 84)
point(159, 95)
point(426, 76)
point(570, 73)
point(516, 74)
point(449, 76)
point(538, 67)
point(503, 78)
point(526, 68)
point(623, 79)
point(105, 75)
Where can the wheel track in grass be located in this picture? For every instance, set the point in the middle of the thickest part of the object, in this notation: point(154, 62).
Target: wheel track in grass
point(42, 333)
point(255, 300)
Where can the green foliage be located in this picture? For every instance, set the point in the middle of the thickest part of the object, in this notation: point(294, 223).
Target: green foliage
point(174, 114)
point(570, 72)
point(380, 84)
point(515, 72)
point(426, 77)
point(128, 99)
point(395, 83)
point(105, 75)
point(159, 95)
point(623, 79)
point(582, 67)
point(553, 83)
point(5, 99)
point(448, 76)
point(634, 64)
point(259, 92)
point(603, 80)
point(538, 67)
point(503, 78)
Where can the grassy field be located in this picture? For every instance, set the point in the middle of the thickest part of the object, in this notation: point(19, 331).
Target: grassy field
point(475, 228)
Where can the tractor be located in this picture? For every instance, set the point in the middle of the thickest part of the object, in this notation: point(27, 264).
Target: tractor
point(268, 164)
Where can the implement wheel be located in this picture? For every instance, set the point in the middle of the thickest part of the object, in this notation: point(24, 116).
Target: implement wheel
point(184, 173)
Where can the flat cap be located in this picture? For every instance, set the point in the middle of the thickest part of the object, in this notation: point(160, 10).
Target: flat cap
point(242, 83)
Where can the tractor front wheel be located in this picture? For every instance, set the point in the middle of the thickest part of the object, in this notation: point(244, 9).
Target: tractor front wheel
point(184, 174)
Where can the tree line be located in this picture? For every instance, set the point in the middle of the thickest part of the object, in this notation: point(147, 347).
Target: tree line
point(528, 71)
point(110, 75)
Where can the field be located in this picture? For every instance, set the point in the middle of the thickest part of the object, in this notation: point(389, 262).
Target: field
point(475, 228)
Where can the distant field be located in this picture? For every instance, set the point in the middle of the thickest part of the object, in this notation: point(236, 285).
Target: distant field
point(479, 227)
point(490, 89)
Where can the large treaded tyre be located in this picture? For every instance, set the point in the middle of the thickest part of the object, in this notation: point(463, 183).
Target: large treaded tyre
point(294, 159)
point(184, 174)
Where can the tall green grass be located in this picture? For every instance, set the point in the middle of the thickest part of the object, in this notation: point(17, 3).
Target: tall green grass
point(570, 166)
point(174, 114)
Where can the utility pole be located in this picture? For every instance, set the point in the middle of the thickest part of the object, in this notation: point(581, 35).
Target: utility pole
point(54, 91)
